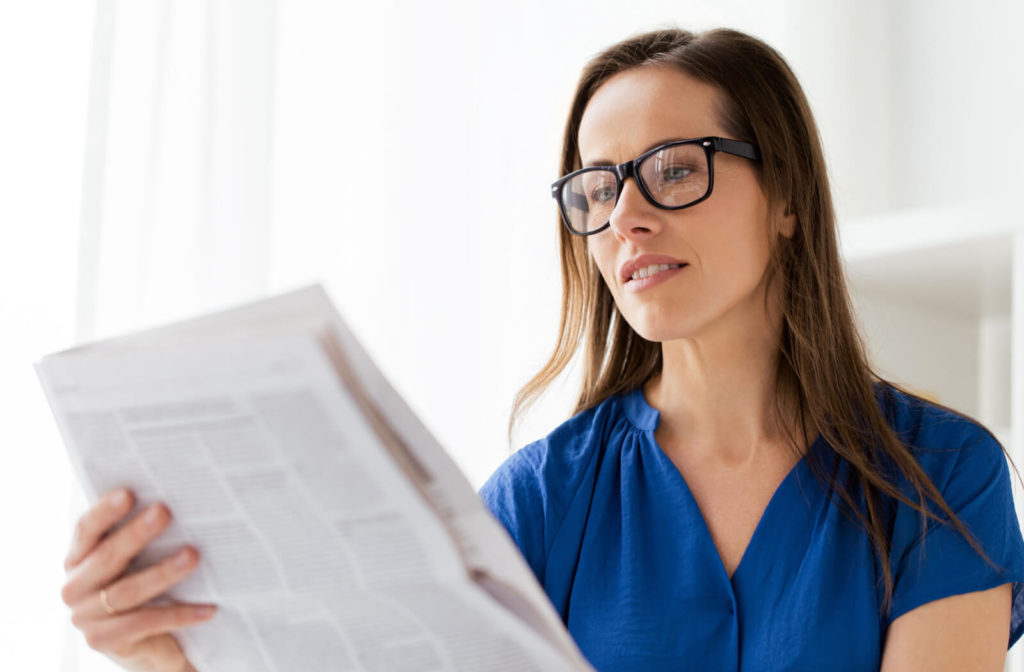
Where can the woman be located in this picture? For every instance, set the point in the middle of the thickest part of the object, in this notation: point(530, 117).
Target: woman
point(682, 518)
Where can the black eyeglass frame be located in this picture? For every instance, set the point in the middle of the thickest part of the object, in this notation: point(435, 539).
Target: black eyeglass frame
point(710, 144)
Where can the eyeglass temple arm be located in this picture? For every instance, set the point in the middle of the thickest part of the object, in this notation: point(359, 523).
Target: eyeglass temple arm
point(737, 148)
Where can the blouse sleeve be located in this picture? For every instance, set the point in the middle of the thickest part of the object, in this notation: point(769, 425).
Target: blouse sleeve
point(975, 482)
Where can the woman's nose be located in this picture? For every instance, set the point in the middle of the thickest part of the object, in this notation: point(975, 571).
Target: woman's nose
point(632, 213)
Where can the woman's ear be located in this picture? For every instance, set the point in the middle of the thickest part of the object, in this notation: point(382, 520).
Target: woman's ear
point(786, 221)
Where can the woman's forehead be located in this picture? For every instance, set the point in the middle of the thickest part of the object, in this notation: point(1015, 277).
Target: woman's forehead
point(639, 108)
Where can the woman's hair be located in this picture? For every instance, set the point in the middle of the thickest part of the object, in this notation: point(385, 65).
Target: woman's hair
point(822, 374)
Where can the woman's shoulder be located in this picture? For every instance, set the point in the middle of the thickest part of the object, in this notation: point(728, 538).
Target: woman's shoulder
point(945, 441)
point(559, 457)
point(531, 492)
point(920, 417)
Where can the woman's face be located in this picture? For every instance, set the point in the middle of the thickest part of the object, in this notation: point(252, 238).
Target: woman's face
point(724, 239)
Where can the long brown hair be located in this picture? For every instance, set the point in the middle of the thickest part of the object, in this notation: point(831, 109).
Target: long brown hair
point(821, 365)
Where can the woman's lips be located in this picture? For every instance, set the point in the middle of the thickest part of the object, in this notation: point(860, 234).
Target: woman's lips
point(640, 284)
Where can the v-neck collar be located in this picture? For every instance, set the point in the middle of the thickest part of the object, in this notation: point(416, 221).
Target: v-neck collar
point(645, 417)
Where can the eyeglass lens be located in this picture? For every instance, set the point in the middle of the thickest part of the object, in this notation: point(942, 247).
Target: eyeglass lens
point(674, 177)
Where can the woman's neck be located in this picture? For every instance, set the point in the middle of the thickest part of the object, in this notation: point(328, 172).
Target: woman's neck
point(716, 393)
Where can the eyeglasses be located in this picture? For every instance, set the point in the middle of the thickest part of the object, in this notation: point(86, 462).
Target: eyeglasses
point(672, 176)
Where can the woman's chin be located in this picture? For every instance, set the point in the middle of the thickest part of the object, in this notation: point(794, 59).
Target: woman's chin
point(660, 333)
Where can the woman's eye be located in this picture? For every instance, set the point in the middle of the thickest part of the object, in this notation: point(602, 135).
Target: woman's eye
point(675, 173)
point(602, 195)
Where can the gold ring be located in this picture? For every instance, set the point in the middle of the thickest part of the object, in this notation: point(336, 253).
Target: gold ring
point(106, 605)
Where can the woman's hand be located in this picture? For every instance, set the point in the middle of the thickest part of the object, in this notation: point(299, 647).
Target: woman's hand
point(107, 607)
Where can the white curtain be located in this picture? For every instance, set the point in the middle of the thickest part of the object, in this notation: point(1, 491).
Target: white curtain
point(397, 151)
point(176, 199)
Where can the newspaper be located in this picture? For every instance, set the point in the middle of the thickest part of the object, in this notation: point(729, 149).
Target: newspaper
point(334, 531)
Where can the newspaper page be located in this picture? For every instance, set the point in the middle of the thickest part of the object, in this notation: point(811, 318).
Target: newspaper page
point(335, 533)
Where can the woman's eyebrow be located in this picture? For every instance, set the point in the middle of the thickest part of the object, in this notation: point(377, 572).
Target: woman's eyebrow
point(606, 162)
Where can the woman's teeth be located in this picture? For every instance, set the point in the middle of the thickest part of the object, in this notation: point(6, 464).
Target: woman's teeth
point(652, 269)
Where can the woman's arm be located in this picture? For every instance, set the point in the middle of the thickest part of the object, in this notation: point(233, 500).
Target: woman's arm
point(961, 633)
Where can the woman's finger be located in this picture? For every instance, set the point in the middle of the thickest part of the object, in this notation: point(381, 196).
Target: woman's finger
point(119, 634)
point(95, 522)
point(136, 589)
point(112, 554)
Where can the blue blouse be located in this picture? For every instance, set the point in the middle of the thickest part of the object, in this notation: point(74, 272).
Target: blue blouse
point(613, 534)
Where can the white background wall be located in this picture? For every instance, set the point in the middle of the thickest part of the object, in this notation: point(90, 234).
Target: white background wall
point(261, 161)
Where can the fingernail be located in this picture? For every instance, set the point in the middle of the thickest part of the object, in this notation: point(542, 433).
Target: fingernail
point(118, 499)
point(205, 611)
point(153, 515)
point(182, 558)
